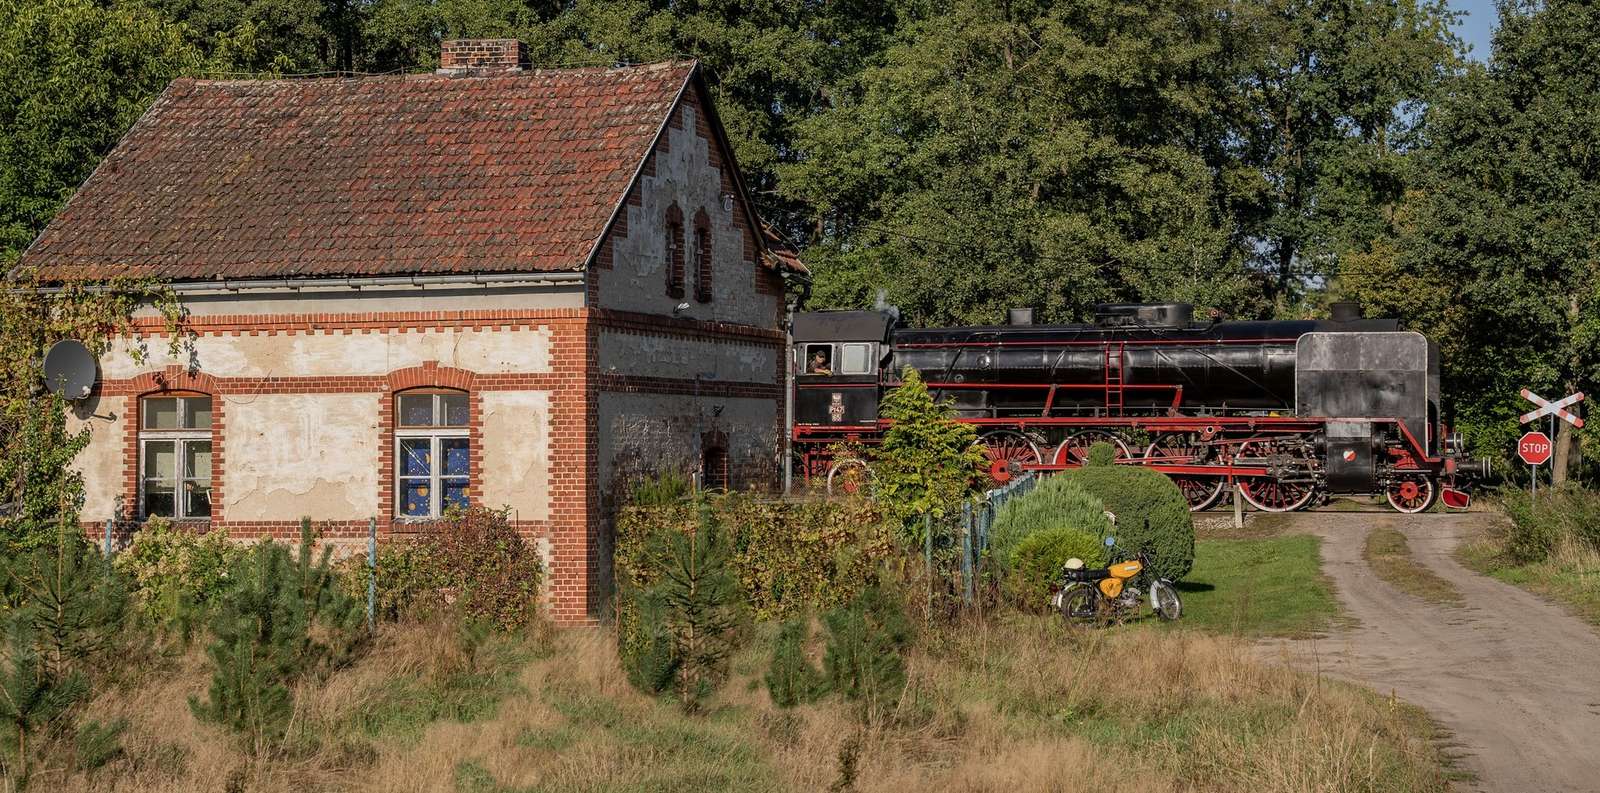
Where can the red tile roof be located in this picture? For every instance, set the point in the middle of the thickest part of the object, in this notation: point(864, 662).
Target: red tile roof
point(372, 176)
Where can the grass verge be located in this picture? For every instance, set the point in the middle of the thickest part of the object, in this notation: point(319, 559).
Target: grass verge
point(1011, 703)
point(1389, 555)
point(1571, 576)
point(1271, 586)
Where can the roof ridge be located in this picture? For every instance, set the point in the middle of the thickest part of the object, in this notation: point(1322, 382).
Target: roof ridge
point(323, 78)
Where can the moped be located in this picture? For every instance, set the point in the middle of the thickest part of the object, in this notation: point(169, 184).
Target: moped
point(1113, 593)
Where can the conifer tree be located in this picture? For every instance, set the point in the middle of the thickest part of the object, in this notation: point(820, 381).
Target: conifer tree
point(30, 697)
point(698, 596)
point(865, 641)
point(792, 679)
point(282, 619)
point(77, 602)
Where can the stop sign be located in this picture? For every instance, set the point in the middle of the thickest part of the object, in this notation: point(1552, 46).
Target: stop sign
point(1534, 448)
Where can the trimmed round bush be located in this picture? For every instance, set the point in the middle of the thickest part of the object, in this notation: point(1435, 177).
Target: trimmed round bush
point(1101, 453)
point(1038, 559)
point(1152, 514)
point(1056, 503)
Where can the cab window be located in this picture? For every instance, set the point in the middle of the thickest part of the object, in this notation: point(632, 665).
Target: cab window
point(818, 359)
point(855, 359)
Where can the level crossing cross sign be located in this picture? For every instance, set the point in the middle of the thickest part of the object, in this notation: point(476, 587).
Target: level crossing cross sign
point(1534, 448)
point(1548, 408)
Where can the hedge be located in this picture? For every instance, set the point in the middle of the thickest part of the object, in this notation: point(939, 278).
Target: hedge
point(1152, 514)
point(789, 557)
point(1039, 557)
point(1054, 504)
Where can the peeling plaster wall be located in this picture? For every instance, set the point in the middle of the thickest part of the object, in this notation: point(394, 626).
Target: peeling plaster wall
point(516, 453)
point(669, 356)
point(335, 354)
point(650, 432)
point(100, 462)
point(637, 279)
point(290, 455)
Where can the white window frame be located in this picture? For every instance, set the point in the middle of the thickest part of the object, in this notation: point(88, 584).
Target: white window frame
point(436, 435)
point(805, 357)
point(180, 437)
point(844, 357)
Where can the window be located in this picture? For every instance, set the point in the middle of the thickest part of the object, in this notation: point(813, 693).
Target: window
point(702, 257)
point(175, 457)
point(855, 359)
point(433, 453)
point(674, 263)
point(819, 359)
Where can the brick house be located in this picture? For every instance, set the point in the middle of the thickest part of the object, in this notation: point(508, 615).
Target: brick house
point(488, 285)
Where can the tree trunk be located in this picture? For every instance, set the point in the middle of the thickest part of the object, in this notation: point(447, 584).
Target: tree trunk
point(1566, 440)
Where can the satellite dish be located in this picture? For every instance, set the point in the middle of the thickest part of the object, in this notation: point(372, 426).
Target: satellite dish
point(69, 369)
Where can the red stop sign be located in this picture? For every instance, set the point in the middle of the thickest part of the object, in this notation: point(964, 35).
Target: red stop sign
point(1534, 448)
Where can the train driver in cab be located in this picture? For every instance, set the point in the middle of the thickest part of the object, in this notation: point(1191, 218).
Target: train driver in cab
point(820, 360)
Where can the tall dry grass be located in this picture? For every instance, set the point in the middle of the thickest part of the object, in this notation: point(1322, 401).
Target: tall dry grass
point(1007, 705)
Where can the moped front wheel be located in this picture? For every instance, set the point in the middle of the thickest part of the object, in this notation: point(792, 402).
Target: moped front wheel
point(1079, 603)
point(1164, 601)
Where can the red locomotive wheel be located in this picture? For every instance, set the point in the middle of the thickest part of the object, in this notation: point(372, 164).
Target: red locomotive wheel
point(1411, 493)
point(849, 477)
point(1180, 448)
point(1074, 451)
point(1269, 494)
point(1005, 448)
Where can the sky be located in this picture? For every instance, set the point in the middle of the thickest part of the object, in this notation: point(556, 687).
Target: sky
point(1476, 26)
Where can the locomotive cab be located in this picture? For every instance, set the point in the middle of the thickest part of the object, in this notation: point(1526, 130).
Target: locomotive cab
point(837, 359)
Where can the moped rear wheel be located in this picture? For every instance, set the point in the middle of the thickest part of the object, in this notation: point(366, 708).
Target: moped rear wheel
point(1080, 603)
point(1164, 601)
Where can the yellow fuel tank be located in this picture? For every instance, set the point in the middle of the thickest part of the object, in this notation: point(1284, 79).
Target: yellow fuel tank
point(1126, 569)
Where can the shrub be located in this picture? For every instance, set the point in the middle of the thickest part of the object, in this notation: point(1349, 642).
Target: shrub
point(792, 679)
point(491, 572)
point(787, 557)
point(928, 461)
point(864, 659)
point(1056, 503)
point(1039, 558)
point(1151, 513)
point(1566, 514)
point(282, 619)
point(472, 562)
point(1101, 453)
point(175, 572)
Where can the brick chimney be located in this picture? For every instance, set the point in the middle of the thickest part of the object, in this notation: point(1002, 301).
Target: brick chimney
point(482, 56)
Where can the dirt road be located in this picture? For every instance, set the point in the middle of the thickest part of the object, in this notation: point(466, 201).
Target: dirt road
point(1514, 677)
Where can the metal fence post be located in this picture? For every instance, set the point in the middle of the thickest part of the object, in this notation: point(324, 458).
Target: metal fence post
point(107, 548)
point(372, 573)
point(967, 514)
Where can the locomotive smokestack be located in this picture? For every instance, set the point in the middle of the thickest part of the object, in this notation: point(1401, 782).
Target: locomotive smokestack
point(1019, 316)
point(1345, 311)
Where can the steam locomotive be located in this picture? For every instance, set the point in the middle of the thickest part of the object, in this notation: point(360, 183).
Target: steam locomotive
point(1290, 411)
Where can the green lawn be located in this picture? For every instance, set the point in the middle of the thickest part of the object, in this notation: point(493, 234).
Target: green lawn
point(1259, 587)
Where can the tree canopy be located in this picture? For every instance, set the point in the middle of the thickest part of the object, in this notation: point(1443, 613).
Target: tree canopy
point(1258, 157)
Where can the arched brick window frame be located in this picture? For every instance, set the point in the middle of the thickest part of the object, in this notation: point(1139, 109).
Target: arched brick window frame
point(172, 381)
point(429, 376)
point(702, 256)
point(675, 251)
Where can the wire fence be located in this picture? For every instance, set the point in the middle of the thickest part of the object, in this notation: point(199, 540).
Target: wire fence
point(977, 519)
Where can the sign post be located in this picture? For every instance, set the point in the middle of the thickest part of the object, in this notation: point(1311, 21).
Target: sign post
point(1535, 448)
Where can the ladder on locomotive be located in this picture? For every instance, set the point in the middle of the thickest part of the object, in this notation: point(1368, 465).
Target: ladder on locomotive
point(1115, 361)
